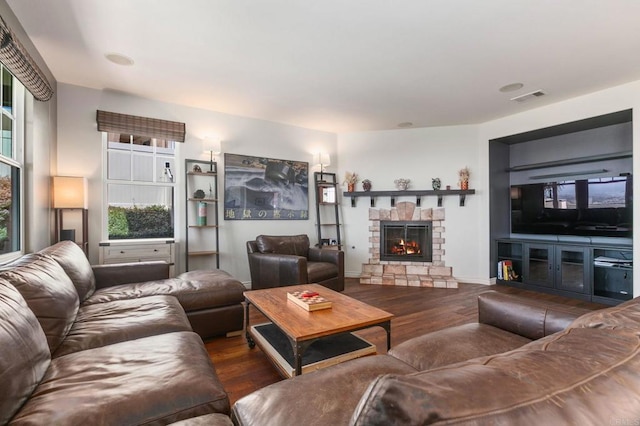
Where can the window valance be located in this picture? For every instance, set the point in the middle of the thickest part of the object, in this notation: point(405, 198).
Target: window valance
point(141, 126)
point(18, 61)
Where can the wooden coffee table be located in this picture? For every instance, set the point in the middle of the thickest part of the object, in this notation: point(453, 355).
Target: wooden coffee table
point(302, 328)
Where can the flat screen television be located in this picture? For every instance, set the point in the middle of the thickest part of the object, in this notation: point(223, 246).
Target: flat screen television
point(585, 207)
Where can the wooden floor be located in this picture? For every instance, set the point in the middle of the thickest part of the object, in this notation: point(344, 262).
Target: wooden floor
point(416, 311)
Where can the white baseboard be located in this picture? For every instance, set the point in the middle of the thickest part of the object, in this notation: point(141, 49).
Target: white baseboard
point(469, 280)
point(474, 280)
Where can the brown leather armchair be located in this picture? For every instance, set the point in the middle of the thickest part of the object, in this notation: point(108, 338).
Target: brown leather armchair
point(276, 261)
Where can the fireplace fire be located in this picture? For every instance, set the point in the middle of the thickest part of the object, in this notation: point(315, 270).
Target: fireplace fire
point(405, 241)
point(402, 248)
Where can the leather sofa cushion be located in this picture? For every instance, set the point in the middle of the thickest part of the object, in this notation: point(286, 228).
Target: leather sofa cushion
point(216, 291)
point(215, 419)
point(577, 376)
point(456, 344)
point(324, 397)
point(527, 318)
point(111, 274)
point(24, 352)
point(224, 289)
point(321, 271)
point(48, 291)
point(75, 263)
point(625, 315)
point(297, 245)
point(106, 323)
point(152, 381)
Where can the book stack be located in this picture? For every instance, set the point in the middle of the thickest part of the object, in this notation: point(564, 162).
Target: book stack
point(505, 271)
point(309, 300)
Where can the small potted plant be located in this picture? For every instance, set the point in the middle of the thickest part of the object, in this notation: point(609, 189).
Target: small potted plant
point(351, 179)
point(463, 175)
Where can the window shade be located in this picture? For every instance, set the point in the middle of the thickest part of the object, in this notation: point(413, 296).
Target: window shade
point(18, 61)
point(141, 126)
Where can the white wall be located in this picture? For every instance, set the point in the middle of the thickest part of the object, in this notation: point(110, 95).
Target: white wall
point(40, 132)
point(419, 155)
point(80, 154)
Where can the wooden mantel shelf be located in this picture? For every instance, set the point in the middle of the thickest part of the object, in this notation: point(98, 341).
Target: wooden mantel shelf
point(462, 193)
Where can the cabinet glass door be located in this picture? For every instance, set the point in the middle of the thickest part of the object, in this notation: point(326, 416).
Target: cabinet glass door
point(571, 270)
point(539, 265)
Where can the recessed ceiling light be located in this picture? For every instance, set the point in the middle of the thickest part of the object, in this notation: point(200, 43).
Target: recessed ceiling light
point(511, 87)
point(405, 124)
point(120, 59)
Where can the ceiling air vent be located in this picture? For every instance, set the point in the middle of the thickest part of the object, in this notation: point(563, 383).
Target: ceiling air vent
point(528, 96)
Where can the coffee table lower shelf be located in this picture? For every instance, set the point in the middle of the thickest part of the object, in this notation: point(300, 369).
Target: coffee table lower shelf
point(322, 353)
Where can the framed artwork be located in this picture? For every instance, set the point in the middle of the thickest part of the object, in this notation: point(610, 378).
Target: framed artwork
point(260, 188)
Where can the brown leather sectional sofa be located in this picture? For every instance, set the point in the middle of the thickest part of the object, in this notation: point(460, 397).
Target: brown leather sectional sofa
point(522, 363)
point(110, 344)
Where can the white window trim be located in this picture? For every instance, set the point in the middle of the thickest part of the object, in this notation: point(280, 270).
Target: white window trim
point(104, 235)
point(18, 115)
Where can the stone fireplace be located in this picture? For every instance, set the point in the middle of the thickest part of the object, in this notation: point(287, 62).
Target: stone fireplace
point(406, 240)
point(397, 262)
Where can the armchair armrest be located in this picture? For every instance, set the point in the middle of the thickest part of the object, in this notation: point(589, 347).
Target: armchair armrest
point(523, 316)
point(276, 270)
point(126, 273)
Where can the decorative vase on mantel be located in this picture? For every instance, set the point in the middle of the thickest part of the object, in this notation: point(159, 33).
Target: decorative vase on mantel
point(351, 187)
point(402, 184)
point(463, 178)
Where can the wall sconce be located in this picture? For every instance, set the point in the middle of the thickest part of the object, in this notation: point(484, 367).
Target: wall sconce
point(70, 193)
point(323, 160)
point(213, 147)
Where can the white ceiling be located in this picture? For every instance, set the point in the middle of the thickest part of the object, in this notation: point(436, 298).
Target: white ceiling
point(341, 65)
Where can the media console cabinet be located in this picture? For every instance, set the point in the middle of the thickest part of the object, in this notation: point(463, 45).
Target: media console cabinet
point(601, 273)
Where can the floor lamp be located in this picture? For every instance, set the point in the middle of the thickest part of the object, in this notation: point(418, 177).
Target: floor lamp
point(70, 193)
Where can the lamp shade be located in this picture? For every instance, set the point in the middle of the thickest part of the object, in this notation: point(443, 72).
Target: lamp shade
point(321, 159)
point(69, 192)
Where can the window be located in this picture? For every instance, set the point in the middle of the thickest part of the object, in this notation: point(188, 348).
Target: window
point(593, 193)
point(11, 163)
point(560, 195)
point(608, 192)
point(140, 187)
